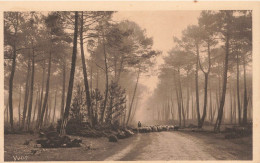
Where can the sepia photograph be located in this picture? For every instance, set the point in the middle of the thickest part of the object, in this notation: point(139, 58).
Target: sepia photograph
point(128, 85)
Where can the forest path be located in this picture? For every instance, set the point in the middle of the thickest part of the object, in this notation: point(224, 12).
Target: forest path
point(167, 145)
point(173, 146)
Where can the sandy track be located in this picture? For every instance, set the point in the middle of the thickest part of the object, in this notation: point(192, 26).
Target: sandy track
point(169, 146)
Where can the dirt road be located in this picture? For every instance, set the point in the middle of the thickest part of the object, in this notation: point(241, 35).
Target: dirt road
point(170, 145)
point(176, 146)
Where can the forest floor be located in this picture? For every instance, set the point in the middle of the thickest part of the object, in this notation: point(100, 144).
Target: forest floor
point(167, 145)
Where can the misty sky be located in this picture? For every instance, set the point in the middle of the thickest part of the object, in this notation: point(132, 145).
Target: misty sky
point(162, 26)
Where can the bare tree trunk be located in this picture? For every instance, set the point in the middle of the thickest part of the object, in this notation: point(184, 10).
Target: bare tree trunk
point(245, 94)
point(31, 93)
point(206, 75)
point(90, 114)
point(7, 110)
point(97, 79)
point(131, 104)
point(235, 107)
point(35, 106)
point(134, 110)
point(181, 98)
point(55, 99)
point(168, 109)
point(197, 86)
point(26, 94)
point(214, 111)
point(63, 90)
point(178, 98)
point(19, 108)
point(125, 116)
point(46, 91)
point(71, 81)
point(192, 108)
point(188, 99)
point(11, 79)
point(219, 85)
point(106, 73)
point(250, 105)
point(120, 69)
point(40, 103)
point(238, 93)
point(223, 96)
point(205, 101)
point(11, 88)
point(211, 111)
point(231, 106)
point(50, 110)
point(91, 78)
point(46, 113)
point(172, 111)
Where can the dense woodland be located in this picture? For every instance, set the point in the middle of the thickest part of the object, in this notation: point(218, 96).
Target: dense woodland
point(79, 66)
point(207, 76)
point(85, 67)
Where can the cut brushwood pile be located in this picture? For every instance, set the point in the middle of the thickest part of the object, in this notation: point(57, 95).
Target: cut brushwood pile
point(238, 131)
point(52, 139)
point(104, 130)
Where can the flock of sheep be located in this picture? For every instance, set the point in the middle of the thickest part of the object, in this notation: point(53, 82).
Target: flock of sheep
point(155, 128)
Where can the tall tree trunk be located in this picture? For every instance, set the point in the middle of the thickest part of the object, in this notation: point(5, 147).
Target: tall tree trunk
point(211, 110)
point(205, 100)
point(19, 107)
point(91, 78)
point(235, 108)
point(26, 94)
point(63, 89)
point(206, 75)
point(54, 111)
point(31, 93)
point(97, 79)
point(71, 81)
point(106, 73)
point(192, 108)
point(238, 92)
point(245, 94)
point(231, 105)
point(11, 79)
point(120, 69)
point(90, 114)
point(223, 96)
point(109, 116)
point(11, 88)
point(219, 84)
point(46, 91)
point(46, 113)
point(7, 110)
point(168, 109)
point(172, 112)
point(181, 97)
point(50, 110)
point(131, 104)
point(135, 108)
point(40, 103)
point(188, 102)
point(178, 98)
point(197, 85)
point(250, 105)
point(35, 106)
point(125, 116)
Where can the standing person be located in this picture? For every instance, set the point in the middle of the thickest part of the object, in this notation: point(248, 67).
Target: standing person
point(139, 124)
